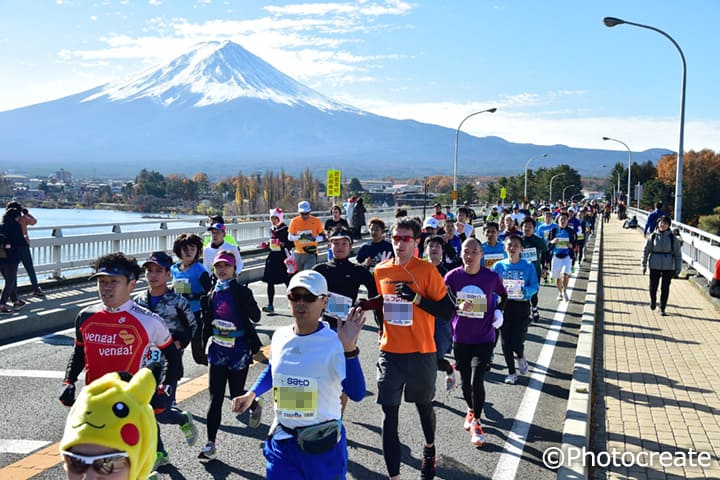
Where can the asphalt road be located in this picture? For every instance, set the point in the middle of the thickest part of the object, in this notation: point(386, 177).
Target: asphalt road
point(521, 421)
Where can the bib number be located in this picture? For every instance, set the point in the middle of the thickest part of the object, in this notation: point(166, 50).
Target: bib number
point(295, 397)
point(397, 312)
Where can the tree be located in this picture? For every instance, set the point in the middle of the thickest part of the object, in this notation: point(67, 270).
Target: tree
point(150, 183)
point(355, 186)
point(710, 223)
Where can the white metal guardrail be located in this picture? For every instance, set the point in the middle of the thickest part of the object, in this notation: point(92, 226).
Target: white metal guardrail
point(64, 251)
point(700, 249)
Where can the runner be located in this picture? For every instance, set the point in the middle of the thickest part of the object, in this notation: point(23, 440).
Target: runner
point(305, 230)
point(414, 293)
point(562, 246)
point(308, 361)
point(545, 229)
point(493, 251)
point(219, 242)
point(275, 269)
point(378, 249)
point(520, 281)
point(475, 325)
point(228, 314)
point(534, 251)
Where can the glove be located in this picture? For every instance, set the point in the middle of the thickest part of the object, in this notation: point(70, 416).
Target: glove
point(67, 397)
point(162, 399)
point(406, 293)
point(374, 303)
point(498, 319)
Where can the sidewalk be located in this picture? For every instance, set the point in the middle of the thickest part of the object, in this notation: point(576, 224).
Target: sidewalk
point(660, 376)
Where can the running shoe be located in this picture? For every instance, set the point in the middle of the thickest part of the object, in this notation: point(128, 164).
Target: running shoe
point(189, 429)
point(256, 414)
point(477, 437)
point(39, 293)
point(565, 296)
point(450, 379)
point(560, 296)
point(427, 470)
point(268, 309)
point(469, 417)
point(19, 304)
point(535, 315)
point(4, 309)
point(523, 366)
point(511, 379)
point(208, 452)
point(161, 459)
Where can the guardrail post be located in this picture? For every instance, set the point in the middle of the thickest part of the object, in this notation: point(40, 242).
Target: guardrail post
point(57, 253)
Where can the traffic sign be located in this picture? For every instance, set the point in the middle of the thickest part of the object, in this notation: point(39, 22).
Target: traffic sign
point(333, 183)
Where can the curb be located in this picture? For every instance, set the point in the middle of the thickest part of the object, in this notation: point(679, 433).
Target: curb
point(576, 428)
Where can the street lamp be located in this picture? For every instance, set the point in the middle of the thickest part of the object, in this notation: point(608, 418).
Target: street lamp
point(551, 180)
point(457, 136)
point(629, 163)
point(611, 22)
point(563, 195)
point(526, 170)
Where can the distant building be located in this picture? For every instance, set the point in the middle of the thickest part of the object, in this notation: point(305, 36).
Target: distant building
point(63, 176)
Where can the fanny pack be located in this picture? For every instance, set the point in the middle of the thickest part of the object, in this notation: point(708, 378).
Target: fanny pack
point(317, 439)
point(561, 255)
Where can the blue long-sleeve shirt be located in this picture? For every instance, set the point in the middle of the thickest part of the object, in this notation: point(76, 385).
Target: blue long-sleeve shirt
point(511, 273)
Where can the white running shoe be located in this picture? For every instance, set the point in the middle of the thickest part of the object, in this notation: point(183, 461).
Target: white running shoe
point(565, 296)
point(523, 366)
point(511, 379)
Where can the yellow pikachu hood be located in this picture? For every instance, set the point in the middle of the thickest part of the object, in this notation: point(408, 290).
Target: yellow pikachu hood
point(117, 414)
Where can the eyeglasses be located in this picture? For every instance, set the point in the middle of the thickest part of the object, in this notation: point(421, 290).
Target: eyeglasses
point(102, 464)
point(403, 238)
point(307, 297)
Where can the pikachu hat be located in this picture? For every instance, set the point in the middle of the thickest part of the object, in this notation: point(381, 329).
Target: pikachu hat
point(117, 414)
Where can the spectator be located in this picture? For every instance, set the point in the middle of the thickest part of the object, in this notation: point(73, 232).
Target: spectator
point(307, 439)
point(305, 230)
point(25, 221)
point(652, 219)
point(662, 253)
point(358, 218)
point(10, 248)
point(714, 287)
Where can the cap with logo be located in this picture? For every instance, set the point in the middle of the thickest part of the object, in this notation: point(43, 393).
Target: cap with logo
point(304, 207)
point(160, 259)
point(224, 257)
point(216, 226)
point(430, 222)
point(311, 281)
point(113, 272)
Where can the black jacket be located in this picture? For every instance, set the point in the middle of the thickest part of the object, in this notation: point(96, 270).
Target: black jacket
point(246, 307)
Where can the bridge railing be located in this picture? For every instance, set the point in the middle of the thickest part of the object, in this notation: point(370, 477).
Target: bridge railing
point(65, 251)
point(700, 249)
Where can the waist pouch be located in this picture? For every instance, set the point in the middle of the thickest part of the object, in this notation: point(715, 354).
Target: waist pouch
point(317, 439)
point(561, 255)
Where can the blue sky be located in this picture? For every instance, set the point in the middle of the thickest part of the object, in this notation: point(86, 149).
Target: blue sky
point(556, 74)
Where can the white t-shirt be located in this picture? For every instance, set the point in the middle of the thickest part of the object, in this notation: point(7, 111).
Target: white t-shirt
point(307, 371)
point(210, 252)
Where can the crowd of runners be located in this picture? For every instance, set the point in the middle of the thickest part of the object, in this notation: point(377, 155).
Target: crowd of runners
point(440, 296)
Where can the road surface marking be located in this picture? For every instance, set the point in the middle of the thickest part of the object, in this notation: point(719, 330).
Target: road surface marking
point(21, 446)
point(6, 372)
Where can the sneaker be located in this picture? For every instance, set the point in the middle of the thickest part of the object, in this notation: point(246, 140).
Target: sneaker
point(535, 315)
point(268, 309)
point(469, 417)
point(39, 293)
point(477, 437)
point(560, 296)
point(653, 304)
point(662, 312)
point(5, 310)
point(208, 452)
point(256, 414)
point(427, 470)
point(189, 429)
point(19, 304)
point(450, 379)
point(565, 296)
point(161, 459)
point(511, 379)
point(522, 366)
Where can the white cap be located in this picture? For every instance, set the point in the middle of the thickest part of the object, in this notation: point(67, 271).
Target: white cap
point(430, 222)
point(571, 209)
point(311, 281)
point(304, 207)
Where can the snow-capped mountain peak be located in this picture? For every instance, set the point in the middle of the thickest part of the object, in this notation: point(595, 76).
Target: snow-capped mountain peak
point(211, 73)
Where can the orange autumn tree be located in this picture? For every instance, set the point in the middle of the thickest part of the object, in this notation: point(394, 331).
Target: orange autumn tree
point(701, 177)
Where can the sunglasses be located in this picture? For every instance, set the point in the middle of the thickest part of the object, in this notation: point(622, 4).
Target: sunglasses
point(102, 464)
point(297, 297)
point(403, 238)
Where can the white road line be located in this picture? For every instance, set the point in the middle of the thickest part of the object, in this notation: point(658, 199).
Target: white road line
point(22, 447)
point(515, 444)
point(32, 373)
point(34, 339)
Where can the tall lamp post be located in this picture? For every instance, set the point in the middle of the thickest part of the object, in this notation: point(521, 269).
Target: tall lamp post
point(611, 22)
point(629, 163)
point(551, 180)
point(457, 136)
point(526, 170)
point(563, 195)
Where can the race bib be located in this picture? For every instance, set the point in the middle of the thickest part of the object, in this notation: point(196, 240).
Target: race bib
point(514, 288)
point(529, 254)
point(305, 236)
point(338, 306)
point(471, 305)
point(275, 245)
point(562, 242)
point(397, 311)
point(295, 397)
point(152, 355)
point(182, 286)
point(491, 259)
point(223, 333)
point(581, 236)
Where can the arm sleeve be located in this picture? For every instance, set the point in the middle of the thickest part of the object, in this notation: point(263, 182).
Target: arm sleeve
point(172, 370)
point(354, 382)
point(443, 308)
point(75, 365)
point(263, 383)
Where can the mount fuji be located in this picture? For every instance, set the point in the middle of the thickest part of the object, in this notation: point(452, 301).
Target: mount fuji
point(220, 109)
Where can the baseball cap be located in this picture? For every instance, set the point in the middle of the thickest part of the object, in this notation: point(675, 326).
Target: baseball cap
point(225, 257)
point(216, 226)
point(304, 207)
point(571, 209)
point(430, 222)
point(311, 281)
point(437, 205)
point(160, 259)
point(113, 272)
point(340, 233)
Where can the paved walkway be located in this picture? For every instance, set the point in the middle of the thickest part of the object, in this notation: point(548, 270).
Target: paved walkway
point(661, 374)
